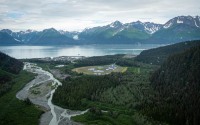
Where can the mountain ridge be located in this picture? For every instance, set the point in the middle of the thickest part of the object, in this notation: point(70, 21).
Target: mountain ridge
point(177, 29)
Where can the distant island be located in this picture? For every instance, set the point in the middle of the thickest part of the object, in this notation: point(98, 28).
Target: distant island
point(178, 29)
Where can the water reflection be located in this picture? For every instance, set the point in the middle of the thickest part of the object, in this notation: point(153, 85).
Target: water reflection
point(70, 50)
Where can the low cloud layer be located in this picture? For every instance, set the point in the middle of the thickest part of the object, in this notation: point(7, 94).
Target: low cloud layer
point(79, 14)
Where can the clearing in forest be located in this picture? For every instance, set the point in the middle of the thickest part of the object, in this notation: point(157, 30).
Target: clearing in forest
point(100, 70)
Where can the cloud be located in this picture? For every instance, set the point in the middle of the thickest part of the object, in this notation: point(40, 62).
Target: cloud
point(79, 14)
point(14, 15)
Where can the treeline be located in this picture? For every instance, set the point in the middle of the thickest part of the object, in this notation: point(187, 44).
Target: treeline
point(10, 64)
point(157, 56)
point(5, 82)
point(12, 79)
point(74, 90)
point(126, 62)
point(105, 60)
point(177, 83)
point(9, 67)
point(121, 94)
point(36, 60)
point(169, 94)
point(98, 60)
point(110, 89)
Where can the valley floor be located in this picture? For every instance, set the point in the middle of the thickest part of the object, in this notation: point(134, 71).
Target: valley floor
point(118, 102)
point(40, 91)
point(129, 90)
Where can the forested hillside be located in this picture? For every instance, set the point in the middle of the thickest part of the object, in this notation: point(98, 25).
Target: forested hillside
point(12, 79)
point(8, 68)
point(143, 95)
point(157, 56)
point(177, 83)
point(99, 60)
point(10, 64)
point(118, 94)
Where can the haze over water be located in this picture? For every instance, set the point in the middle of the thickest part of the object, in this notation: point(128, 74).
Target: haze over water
point(20, 52)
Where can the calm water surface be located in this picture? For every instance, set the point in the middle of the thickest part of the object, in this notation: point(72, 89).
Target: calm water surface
point(20, 52)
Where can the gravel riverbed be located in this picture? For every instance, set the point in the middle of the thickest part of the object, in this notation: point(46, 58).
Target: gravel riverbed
point(40, 92)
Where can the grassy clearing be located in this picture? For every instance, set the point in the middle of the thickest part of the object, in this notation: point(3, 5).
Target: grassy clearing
point(14, 111)
point(122, 102)
point(100, 70)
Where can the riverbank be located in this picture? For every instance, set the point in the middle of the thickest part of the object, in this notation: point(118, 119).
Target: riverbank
point(16, 112)
point(40, 91)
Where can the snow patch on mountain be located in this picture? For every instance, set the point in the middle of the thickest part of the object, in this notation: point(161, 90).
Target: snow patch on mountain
point(29, 31)
point(118, 31)
point(61, 32)
point(17, 40)
point(196, 23)
point(115, 24)
point(112, 25)
point(168, 25)
point(151, 29)
point(179, 21)
point(75, 37)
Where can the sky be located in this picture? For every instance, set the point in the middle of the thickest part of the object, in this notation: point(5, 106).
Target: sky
point(76, 15)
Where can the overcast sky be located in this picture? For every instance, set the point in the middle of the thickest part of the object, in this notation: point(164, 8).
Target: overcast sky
point(74, 15)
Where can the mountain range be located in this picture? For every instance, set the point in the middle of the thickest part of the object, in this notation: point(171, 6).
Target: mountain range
point(181, 28)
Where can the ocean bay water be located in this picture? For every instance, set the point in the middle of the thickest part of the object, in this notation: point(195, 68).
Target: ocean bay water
point(21, 52)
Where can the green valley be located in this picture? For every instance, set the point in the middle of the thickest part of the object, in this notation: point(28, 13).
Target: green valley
point(153, 88)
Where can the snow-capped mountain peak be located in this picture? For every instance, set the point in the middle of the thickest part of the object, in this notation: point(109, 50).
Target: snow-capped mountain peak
point(116, 24)
point(148, 27)
point(187, 20)
point(179, 21)
point(30, 31)
point(168, 24)
point(62, 31)
point(151, 27)
point(7, 31)
point(50, 30)
point(190, 25)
